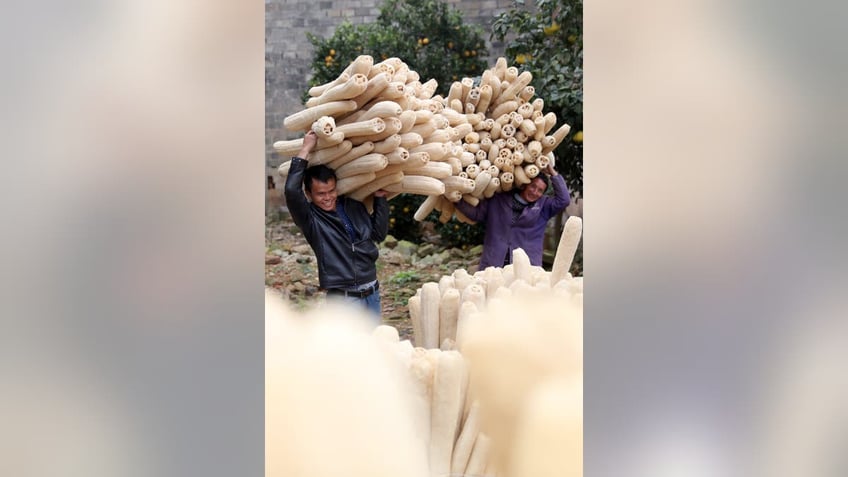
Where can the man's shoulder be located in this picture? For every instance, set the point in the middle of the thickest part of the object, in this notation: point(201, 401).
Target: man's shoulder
point(503, 196)
point(345, 200)
point(349, 203)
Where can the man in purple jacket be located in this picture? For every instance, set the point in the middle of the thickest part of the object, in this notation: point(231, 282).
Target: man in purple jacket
point(517, 219)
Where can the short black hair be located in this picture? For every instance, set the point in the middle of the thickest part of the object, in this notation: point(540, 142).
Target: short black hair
point(542, 176)
point(321, 173)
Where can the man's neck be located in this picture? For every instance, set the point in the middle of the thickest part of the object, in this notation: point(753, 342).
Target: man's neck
point(517, 197)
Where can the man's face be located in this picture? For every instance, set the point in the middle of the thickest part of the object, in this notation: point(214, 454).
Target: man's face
point(324, 195)
point(534, 189)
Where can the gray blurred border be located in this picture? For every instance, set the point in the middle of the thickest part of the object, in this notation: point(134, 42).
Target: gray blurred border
point(714, 338)
point(132, 292)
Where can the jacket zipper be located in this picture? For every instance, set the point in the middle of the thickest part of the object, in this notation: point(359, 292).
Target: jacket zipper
point(352, 245)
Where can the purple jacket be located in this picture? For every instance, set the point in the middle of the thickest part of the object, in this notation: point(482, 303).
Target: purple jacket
point(528, 231)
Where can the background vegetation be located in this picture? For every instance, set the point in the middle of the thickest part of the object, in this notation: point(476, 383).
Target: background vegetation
point(428, 35)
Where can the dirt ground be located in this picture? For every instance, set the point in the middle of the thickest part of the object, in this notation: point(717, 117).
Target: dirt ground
point(290, 268)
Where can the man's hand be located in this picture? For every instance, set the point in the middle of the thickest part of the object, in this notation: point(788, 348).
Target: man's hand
point(309, 142)
point(550, 170)
point(380, 193)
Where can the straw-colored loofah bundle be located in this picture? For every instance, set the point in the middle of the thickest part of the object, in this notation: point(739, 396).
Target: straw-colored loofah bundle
point(482, 138)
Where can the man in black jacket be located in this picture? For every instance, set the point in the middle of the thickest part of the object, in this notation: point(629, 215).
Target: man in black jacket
point(340, 230)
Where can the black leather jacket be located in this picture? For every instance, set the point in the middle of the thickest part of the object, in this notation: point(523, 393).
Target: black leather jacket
point(341, 263)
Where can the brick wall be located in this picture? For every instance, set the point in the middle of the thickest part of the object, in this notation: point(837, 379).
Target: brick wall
point(288, 52)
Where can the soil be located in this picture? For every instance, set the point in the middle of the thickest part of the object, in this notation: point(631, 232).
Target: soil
point(290, 268)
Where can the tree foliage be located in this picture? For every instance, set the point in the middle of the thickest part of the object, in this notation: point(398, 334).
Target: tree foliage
point(453, 233)
point(428, 35)
point(548, 41)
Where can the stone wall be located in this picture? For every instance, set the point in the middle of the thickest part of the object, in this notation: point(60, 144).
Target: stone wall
point(288, 53)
